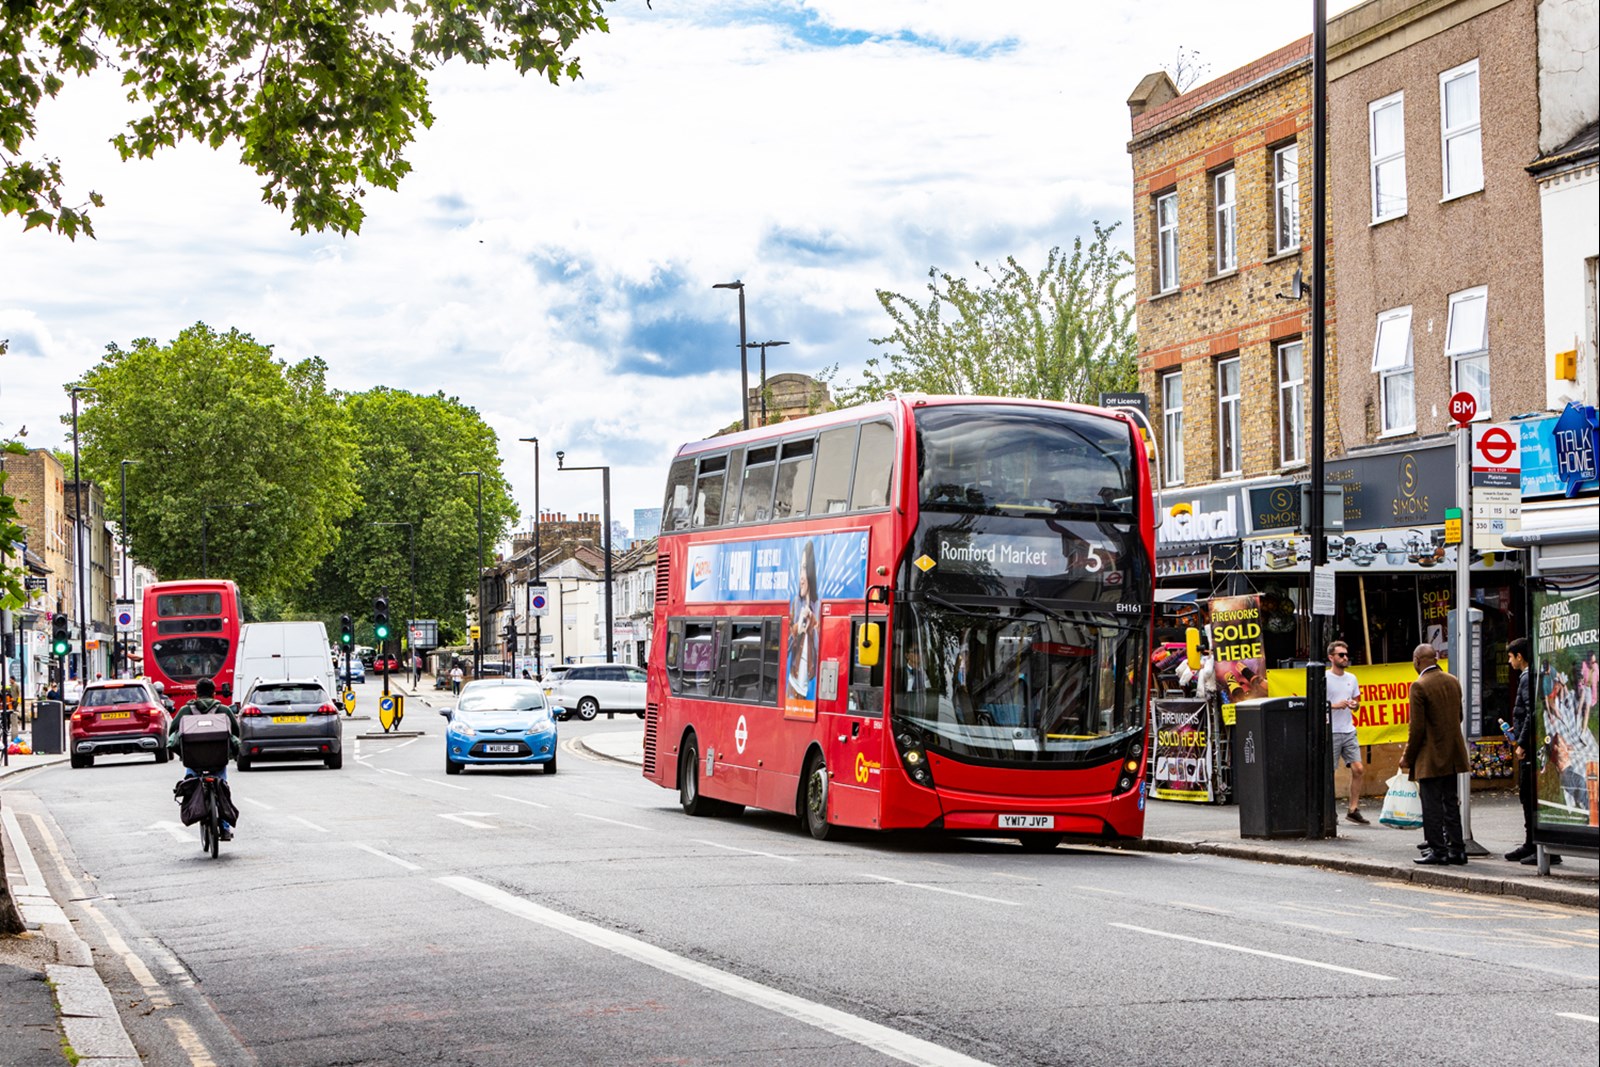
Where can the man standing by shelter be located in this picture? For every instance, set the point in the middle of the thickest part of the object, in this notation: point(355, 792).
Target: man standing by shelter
point(1435, 753)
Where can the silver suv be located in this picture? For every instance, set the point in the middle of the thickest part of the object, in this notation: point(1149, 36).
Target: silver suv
point(587, 689)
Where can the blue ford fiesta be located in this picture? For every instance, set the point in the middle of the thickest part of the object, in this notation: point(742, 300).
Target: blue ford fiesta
point(500, 722)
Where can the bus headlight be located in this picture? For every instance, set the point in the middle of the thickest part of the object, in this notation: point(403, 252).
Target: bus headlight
point(913, 757)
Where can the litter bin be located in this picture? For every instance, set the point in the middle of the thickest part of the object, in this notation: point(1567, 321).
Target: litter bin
point(1269, 766)
point(49, 727)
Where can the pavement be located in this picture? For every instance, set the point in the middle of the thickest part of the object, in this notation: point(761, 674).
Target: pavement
point(1374, 850)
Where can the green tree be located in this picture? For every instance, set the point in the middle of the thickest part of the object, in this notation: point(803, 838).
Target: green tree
point(213, 420)
point(318, 93)
point(13, 593)
point(410, 451)
point(1064, 333)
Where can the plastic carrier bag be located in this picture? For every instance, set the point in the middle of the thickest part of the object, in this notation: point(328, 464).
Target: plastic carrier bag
point(1402, 805)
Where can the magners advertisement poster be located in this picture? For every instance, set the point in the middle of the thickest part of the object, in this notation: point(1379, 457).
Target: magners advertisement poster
point(1566, 644)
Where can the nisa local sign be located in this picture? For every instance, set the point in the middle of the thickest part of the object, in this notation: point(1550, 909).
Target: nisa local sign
point(1199, 517)
point(1559, 454)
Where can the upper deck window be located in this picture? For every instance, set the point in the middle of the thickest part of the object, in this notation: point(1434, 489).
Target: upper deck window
point(177, 605)
point(995, 459)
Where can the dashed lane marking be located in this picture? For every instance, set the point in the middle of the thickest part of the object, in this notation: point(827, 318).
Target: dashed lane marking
point(893, 1043)
point(396, 860)
point(613, 822)
point(942, 889)
point(748, 851)
point(308, 822)
point(520, 800)
point(1257, 952)
point(1580, 1018)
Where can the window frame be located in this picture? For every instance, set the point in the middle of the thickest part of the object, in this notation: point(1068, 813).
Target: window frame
point(1225, 438)
point(1225, 221)
point(1166, 263)
point(1459, 355)
point(1405, 369)
point(1374, 161)
point(1172, 429)
point(1447, 133)
point(1291, 404)
point(1285, 192)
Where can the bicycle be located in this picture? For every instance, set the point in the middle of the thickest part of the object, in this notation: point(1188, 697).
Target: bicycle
point(211, 823)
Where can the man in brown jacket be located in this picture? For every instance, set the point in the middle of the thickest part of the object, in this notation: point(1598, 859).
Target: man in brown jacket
point(1435, 753)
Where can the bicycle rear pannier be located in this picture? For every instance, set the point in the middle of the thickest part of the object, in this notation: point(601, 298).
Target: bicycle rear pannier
point(203, 740)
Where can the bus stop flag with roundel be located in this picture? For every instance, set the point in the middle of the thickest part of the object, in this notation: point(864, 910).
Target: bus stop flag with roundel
point(1496, 484)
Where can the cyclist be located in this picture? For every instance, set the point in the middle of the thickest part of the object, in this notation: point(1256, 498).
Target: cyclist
point(205, 702)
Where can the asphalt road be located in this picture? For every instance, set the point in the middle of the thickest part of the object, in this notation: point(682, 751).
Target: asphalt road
point(386, 914)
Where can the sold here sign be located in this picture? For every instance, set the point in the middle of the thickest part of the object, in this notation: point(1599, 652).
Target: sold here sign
point(1496, 484)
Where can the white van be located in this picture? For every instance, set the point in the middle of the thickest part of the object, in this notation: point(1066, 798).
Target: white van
point(283, 651)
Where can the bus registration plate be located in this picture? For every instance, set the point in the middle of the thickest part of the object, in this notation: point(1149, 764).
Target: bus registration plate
point(1027, 822)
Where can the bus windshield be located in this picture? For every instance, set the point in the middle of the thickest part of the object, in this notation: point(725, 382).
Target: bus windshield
point(1034, 685)
point(1029, 460)
point(176, 605)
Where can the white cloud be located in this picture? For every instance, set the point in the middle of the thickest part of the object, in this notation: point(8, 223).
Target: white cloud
point(555, 247)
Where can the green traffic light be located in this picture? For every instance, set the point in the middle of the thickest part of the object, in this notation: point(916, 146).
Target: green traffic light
point(59, 648)
point(382, 632)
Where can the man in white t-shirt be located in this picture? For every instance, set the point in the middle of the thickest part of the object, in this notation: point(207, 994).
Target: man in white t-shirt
point(1344, 694)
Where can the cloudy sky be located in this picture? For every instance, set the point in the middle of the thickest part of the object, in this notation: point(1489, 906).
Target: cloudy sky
point(550, 260)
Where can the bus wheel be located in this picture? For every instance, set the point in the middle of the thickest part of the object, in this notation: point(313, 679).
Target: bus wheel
point(1040, 842)
point(814, 801)
point(689, 796)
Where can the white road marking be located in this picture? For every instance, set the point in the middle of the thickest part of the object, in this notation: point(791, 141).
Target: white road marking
point(892, 1043)
point(257, 803)
point(1308, 926)
point(519, 800)
point(941, 889)
point(1199, 907)
point(308, 822)
point(1580, 1018)
point(175, 829)
point(1097, 889)
point(388, 770)
point(613, 822)
point(750, 851)
point(465, 820)
point(1258, 952)
point(446, 785)
point(407, 864)
point(403, 744)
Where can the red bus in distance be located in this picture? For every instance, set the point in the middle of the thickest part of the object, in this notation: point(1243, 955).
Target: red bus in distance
point(929, 612)
point(191, 631)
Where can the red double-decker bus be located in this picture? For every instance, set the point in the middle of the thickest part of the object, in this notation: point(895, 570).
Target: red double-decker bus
point(930, 612)
point(191, 631)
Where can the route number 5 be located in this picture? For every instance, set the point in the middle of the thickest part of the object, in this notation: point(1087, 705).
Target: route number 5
point(1094, 563)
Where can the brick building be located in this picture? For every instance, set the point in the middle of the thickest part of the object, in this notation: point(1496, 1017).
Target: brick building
point(1218, 239)
point(1433, 119)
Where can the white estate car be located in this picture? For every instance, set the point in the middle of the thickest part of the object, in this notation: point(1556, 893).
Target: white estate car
point(587, 689)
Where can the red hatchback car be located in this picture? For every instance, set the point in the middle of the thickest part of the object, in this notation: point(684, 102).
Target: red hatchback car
point(386, 663)
point(118, 716)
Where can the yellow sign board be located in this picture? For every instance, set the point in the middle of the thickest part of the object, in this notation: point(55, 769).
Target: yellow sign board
point(391, 709)
point(1384, 714)
point(473, 632)
point(348, 697)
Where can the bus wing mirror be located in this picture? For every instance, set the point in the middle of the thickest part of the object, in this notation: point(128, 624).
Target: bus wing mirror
point(869, 641)
point(1191, 639)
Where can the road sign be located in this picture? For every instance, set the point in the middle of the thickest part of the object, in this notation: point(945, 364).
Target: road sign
point(391, 709)
point(1496, 484)
point(36, 581)
point(124, 620)
point(473, 632)
point(539, 601)
point(349, 699)
point(1463, 406)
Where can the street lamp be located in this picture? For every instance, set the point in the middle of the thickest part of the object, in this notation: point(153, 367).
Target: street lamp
point(538, 565)
point(127, 579)
point(205, 531)
point(744, 363)
point(80, 565)
point(764, 345)
point(411, 612)
point(605, 519)
point(477, 646)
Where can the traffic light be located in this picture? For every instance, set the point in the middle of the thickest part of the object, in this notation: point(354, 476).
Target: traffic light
point(380, 617)
point(511, 634)
point(60, 635)
point(347, 632)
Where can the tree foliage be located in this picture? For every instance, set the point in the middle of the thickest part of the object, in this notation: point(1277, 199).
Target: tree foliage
point(1063, 333)
point(13, 571)
point(319, 94)
point(214, 421)
point(409, 453)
